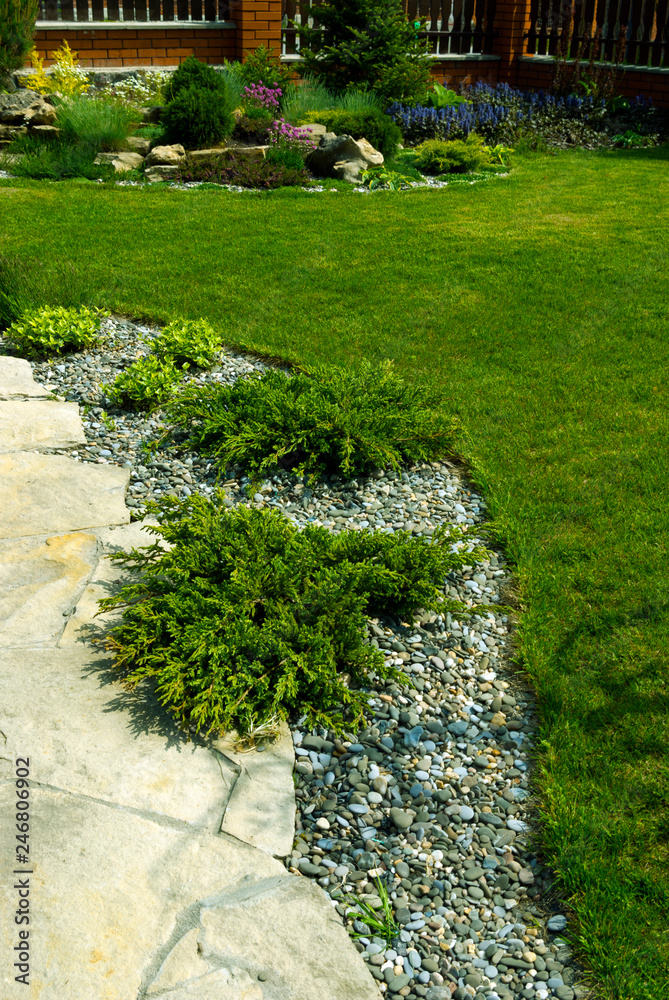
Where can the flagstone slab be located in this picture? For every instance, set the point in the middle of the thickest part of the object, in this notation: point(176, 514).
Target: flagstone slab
point(41, 580)
point(261, 807)
point(115, 897)
point(50, 494)
point(90, 737)
point(38, 424)
point(16, 380)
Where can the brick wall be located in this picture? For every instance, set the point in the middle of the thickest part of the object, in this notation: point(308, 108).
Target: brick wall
point(138, 46)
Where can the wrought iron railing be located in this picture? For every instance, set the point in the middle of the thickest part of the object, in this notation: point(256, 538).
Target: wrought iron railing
point(632, 32)
point(134, 10)
point(452, 27)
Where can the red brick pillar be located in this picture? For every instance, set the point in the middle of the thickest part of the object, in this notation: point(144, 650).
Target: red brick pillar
point(512, 21)
point(258, 23)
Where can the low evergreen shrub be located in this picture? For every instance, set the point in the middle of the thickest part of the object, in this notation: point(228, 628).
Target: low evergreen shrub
point(195, 74)
point(374, 126)
point(227, 168)
point(329, 420)
point(438, 157)
point(187, 342)
point(147, 384)
point(54, 329)
point(197, 117)
point(245, 618)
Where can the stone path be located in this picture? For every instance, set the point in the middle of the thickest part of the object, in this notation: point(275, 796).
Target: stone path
point(153, 868)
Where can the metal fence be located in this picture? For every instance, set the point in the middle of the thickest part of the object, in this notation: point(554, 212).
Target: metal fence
point(452, 27)
point(134, 10)
point(633, 32)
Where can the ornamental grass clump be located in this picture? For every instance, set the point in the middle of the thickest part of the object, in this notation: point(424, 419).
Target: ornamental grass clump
point(244, 617)
point(328, 420)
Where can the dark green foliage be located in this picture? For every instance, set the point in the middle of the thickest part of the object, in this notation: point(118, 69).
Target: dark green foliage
point(197, 117)
point(57, 160)
point(457, 157)
point(376, 127)
point(17, 26)
point(245, 618)
point(291, 159)
point(230, 169)
point(195, 74)
point(253, 125)
point(365, 44)
point(331, 419)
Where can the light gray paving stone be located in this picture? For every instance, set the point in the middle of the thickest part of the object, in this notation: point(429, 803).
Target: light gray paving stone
point(261, 808)
point(16, 380)
point(116, 891)
point(39, 424)
point(41, 581)
point(89, 737)
point(47, 494)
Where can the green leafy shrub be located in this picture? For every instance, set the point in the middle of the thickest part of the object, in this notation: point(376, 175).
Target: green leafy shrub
point(440, 97)
point(366, 44)
point(54, 329)
point(253, 124)
point(94, 122)
point(333, 419)
point(244, 617)
point(193, 74)
point(436, 156)
point(147, 384)
point(227, 168)
point(17, 26)
point(197, 117)
point(187, 342)
point(261, 66)
point(376, 127)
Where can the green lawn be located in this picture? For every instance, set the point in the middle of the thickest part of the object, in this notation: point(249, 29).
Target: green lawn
point(537, 308)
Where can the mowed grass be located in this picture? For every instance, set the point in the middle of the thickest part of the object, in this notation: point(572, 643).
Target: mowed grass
point(537, 308)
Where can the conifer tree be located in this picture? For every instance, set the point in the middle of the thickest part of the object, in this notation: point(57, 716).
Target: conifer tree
point(365, 44)
point(17, 25)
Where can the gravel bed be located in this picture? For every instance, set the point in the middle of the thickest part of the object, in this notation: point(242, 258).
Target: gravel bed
point(433, 800)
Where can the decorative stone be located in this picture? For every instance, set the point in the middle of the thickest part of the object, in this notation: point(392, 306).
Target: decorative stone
point(17, 382)
point(20, 106)
point(121, 162)
point(251, 152)
point(135, 144)
point(160, 173)
point(332, 155)
point(166, 156)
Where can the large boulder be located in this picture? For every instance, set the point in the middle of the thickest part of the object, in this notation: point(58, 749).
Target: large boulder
point(121, 162)
point(135, 144)
point(167, 156)
point(161, 172)
point(25, 106)
point(343, 157)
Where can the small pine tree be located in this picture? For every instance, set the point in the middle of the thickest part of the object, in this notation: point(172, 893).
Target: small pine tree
point(365, 44)
point(17, 25)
